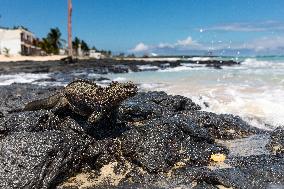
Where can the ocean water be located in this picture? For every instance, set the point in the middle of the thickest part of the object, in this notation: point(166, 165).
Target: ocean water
point(253, 90)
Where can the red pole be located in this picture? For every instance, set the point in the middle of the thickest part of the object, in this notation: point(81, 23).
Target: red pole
point(70, 49)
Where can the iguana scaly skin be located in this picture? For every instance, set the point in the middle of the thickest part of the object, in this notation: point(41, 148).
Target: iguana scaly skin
point(86, 98)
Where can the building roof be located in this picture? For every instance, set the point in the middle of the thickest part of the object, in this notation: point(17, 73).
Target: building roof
point(20, 28)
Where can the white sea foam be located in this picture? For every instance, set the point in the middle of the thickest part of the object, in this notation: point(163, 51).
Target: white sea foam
point(252, 62)
point(120, 79)
point(176, 69)
point(183, 68)
point(200, 58)
point(192, 65)
point(21, 78)
point(152, 86)
point(259, 108)
point(147, 67)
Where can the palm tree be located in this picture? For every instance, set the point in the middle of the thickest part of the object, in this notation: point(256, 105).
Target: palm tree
point(85, 47)
point(46, 46)
point(52, 42)
point(54, 38)
point(76, 43)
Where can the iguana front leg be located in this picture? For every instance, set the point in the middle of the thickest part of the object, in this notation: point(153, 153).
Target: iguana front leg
point(61, 105)
point(96, 116)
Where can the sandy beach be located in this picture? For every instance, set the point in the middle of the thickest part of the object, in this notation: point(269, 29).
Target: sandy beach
point(4, 58)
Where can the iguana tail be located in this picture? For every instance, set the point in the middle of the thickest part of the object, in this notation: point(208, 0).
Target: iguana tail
point(46, 104)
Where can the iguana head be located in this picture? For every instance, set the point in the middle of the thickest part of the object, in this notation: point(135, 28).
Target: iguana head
point(123, 90)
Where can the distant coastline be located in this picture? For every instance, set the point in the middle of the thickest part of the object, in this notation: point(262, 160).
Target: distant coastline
point(20, 58)
point(47, 64)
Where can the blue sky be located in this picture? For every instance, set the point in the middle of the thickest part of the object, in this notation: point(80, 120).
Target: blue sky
point(159, 26)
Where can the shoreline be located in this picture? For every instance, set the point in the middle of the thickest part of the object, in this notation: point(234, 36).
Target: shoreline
point(20, 58)
point(104, 66)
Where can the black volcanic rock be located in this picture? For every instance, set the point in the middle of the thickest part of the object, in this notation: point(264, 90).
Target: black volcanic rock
point(216, 66)
point(204, 185)
point(188, 126)
point(160, 143)
point(101, 70)
point(101, 79)
point(46, 80)
point(261, 171)
point(276, 143)
point(157, 141)
point(118, 69)
point(36, 157)
point(223, 126)
point(154, 104)
point(16, 95)
point(217, 63)
point(102, 66)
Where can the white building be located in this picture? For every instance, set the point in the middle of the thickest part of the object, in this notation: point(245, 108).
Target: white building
point(95, 54)
point(18, 42)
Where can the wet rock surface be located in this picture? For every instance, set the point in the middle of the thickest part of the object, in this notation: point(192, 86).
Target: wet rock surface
point(156, 141)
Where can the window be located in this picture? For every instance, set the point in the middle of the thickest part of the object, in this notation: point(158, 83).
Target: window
point(22, 37)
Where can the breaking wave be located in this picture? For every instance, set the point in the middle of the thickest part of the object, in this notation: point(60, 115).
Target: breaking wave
point(22, 78)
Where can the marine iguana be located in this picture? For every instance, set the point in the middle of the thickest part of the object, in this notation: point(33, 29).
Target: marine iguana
point(85, 98)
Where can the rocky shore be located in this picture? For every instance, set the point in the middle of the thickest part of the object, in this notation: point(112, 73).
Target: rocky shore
point(104, 66)
point(154, 141)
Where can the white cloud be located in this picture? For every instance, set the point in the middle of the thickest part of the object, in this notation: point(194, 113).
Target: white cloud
point(236, 28)
point(269, 25)
point(263, 44)
point(165, 45)
point(154, 54)
point(186, 42)
point(267, 43)
point(140, 47)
